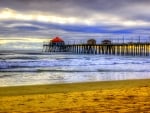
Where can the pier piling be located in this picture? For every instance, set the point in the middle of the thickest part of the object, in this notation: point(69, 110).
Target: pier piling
point(133, 49)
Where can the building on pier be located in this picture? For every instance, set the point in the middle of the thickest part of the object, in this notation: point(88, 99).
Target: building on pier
point(57, 41)
point(91, 42)
point(106, 42)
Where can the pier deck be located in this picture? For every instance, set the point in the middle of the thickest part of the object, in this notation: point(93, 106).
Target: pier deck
point(134, 49)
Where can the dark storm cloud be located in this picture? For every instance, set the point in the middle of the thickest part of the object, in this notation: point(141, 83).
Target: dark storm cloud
point(78, 7)
point(127, 10)
point(23, 28)
point(59, 4)
point(38, 29)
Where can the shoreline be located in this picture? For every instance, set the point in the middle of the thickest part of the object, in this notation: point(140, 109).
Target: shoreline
point(123, 96)
point(65, 83)
point(78, 86)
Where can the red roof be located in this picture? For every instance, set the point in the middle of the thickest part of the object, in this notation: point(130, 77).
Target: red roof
point(57, 39)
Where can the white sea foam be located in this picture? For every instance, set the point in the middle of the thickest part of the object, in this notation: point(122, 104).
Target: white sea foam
point(21, 69)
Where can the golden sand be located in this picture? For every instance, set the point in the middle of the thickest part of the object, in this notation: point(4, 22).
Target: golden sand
point(106, 97)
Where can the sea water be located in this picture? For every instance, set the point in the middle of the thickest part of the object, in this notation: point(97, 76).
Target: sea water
point(28, 68)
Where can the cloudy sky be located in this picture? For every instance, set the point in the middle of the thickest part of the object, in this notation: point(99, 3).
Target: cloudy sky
point(25, 24)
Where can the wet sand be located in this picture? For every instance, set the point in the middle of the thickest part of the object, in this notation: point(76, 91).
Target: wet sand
point(130, 96)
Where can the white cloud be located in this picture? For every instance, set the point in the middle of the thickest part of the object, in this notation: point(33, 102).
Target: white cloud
point(9, 14)
point(94, 19)
point(23, 24)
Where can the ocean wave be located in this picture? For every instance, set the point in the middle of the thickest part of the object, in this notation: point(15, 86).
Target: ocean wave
point(63, 63)
point(19, 61)
point(19, 57)
point(6, 76)
point(72, 71)
point(126, 70)
point(45, 70)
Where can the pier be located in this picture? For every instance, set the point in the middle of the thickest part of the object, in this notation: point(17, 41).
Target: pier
point(105, 48)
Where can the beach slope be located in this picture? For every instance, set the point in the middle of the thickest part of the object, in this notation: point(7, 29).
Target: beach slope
point(129, 96)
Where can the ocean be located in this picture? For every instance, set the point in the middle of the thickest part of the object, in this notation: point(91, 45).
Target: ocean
point(28, 68)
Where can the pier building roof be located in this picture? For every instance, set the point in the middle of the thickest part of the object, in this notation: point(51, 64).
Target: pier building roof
point(57, 39)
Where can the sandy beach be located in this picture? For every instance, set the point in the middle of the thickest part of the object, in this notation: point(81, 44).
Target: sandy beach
point(129, 96)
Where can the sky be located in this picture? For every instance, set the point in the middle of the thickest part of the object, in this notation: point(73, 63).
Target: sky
point(26, 24)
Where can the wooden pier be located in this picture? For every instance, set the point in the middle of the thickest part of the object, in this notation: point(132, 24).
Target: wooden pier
point(133, 49)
